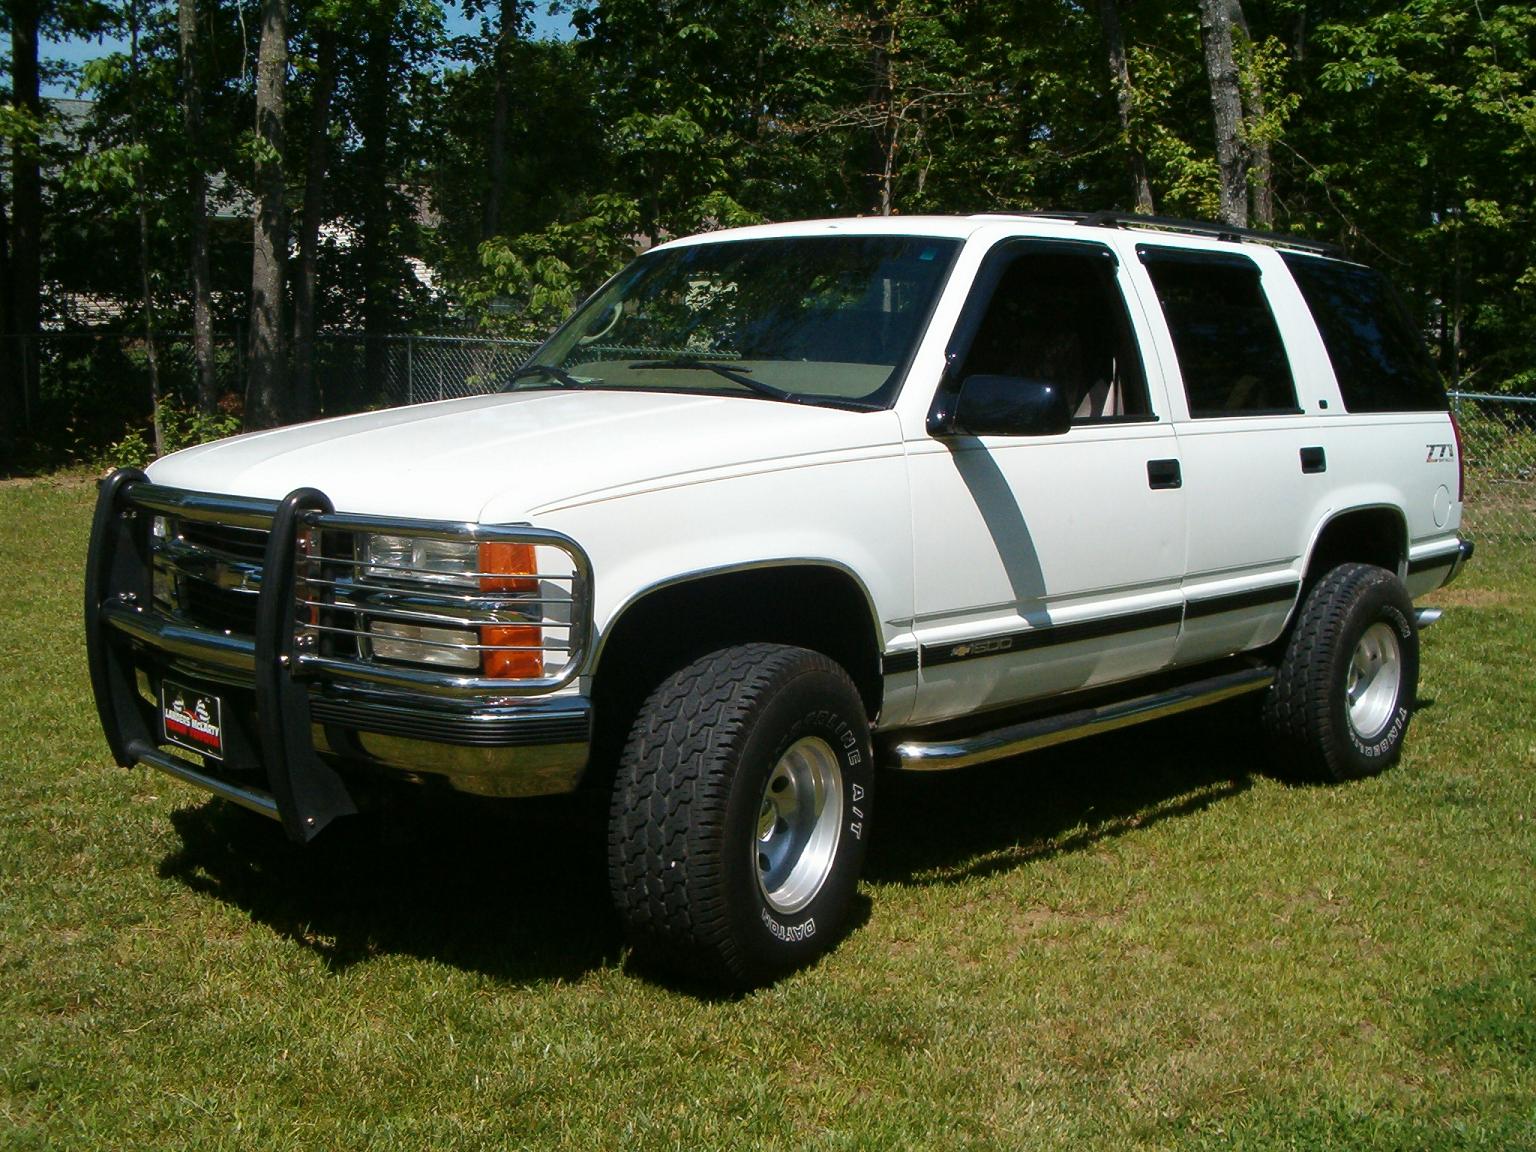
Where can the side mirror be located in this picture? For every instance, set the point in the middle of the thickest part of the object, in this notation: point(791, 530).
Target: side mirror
point(1007, 406)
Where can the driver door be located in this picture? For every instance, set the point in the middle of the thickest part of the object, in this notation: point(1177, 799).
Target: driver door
point(1047, 563)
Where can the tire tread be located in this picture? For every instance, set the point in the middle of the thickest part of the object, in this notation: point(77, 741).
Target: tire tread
point(669, 802)
point(1299, 713)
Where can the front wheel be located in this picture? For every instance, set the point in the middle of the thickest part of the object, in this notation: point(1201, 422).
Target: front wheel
point(741, 813)
point(1344, 691)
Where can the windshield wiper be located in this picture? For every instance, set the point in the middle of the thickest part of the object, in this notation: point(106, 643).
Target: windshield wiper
point(734, 375)
point(548, 371)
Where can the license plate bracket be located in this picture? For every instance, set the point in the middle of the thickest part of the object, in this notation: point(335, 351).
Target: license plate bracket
point(192, 718)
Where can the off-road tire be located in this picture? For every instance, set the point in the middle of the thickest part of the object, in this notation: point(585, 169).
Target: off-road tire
point(1356, 629)
point(691, 824)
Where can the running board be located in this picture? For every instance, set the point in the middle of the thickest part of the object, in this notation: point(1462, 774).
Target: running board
point(925, 756)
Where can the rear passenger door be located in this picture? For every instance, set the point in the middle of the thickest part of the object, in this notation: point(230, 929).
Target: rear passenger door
point(1253, 460)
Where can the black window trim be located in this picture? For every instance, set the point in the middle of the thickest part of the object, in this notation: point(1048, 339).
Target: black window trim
point(994, 265)
point(1173, 254)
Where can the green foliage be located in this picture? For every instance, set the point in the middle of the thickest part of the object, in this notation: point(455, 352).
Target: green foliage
point(179, 428)
point(528, 283)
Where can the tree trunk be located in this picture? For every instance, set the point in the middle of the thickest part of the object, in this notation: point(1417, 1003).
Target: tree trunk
point(305, 401)
point(1226, 109)
point(1120, 75)
point(501, 101)
point(882, 99)
point(26, 281)
point(373, 123)
point(10, 352)
point(264, 390)
point(141, 206)
point(1261, 181)
point(197, 190)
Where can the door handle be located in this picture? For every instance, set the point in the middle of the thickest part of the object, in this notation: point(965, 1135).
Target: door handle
point(1314, 460)
point(1164, 474)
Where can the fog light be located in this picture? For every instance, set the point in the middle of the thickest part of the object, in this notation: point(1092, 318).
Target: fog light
point(440, 647)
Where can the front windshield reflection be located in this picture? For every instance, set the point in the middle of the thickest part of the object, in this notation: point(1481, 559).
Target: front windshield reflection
point(823, 319)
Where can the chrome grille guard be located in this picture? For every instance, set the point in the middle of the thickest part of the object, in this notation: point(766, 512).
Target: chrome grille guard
point(311, 627)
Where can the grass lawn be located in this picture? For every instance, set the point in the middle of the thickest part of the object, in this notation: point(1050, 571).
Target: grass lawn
point(1136, 942)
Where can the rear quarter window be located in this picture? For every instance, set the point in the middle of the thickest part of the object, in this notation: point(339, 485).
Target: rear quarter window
point(1378, 356)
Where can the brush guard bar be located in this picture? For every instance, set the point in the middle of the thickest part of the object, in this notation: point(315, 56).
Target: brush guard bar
point(304, 792)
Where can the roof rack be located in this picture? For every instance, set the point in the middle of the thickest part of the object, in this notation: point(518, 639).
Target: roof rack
point(1114, 219)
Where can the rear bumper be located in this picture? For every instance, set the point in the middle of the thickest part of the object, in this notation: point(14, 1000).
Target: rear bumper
point(1463, 554)
point(293, 730)
point(1432, 570)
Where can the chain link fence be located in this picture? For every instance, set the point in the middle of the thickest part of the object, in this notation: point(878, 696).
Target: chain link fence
point(353, 373)
point(1498, 434)
point(86, 389)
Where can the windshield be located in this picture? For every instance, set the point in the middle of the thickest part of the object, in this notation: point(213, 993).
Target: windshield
point(810, 319)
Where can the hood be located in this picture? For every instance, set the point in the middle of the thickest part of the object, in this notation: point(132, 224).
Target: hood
point(510, 457)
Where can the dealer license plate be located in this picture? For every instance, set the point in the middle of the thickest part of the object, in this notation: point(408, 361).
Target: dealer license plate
point(192, 719)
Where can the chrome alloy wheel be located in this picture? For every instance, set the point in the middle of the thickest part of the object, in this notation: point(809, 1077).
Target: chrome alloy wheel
point(798, 825)
point(1375, 681)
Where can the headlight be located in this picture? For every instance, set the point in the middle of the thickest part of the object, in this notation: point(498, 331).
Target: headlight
point(421, 559)
point(497, 575)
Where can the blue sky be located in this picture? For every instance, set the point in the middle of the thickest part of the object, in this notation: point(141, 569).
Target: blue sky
point(79, 51)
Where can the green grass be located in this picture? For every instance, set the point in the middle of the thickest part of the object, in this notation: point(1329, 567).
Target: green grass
point(1136, 942)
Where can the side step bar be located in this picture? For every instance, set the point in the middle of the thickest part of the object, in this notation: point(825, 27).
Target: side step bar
point(925, 756)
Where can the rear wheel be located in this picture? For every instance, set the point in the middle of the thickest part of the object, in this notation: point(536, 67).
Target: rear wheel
point(1344, 692)
point(741, 812)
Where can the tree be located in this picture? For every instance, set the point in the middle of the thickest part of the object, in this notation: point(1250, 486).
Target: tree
point(24, 19)
point(1125, 102)
point(197, 192)
point(134, 18)
point(904, 80)
point(512, 17)
point(317, 153)
point(266, 402)
point(1226, 109)
point(1418, 149)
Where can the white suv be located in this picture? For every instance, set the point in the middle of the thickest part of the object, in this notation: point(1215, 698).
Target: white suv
point(782, 504)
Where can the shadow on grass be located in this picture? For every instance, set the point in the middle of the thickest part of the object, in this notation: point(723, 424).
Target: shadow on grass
point(516, 891)
point(947, 827)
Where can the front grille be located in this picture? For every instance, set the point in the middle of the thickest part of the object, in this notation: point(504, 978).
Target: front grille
point(247, 544)
point(209, 574)
point(221, 609)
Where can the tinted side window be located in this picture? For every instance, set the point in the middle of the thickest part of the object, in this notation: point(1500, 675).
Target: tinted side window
point(1378, 356)
point(1229, 348)
point(1058, 316)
